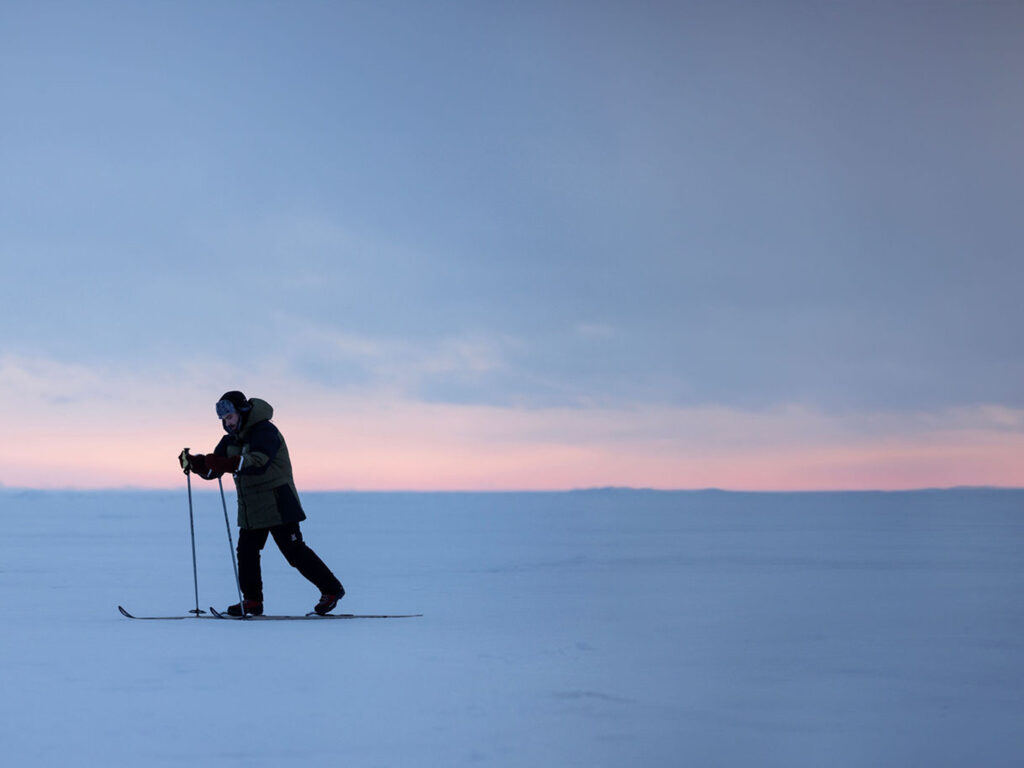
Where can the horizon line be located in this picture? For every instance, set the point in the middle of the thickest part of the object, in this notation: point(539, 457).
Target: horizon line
point(586, 489)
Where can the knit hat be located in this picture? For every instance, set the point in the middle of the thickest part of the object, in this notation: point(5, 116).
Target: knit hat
point(233, 402)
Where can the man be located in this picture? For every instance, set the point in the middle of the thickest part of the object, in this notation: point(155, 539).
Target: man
point(254, 451)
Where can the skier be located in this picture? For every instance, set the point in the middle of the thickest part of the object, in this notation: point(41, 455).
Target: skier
point(254, 451)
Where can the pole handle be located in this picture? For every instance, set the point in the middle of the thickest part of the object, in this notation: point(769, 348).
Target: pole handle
point(184, 458)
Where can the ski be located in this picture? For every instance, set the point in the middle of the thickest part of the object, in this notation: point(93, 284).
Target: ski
point(312, 616)
point(215, 614)
point(191, 615)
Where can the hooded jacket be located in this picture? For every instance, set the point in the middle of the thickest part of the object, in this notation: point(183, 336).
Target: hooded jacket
point(266, 490)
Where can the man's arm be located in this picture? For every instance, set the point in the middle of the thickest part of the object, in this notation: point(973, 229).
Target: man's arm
point(264, 443)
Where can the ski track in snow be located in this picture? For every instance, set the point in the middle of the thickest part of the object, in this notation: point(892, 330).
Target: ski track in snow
point(605, 628)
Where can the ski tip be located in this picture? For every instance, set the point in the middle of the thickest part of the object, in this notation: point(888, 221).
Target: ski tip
point(124, 612)
point(222, 615)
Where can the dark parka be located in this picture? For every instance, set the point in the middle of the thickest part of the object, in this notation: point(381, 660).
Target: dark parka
point(266, 490)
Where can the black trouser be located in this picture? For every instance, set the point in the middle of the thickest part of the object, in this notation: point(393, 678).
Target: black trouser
point(288, 538)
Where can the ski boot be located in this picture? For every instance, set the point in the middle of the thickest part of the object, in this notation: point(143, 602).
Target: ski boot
point(327, 602)
point(252, 608)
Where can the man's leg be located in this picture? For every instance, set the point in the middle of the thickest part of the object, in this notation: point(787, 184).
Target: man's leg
point(288, 538)
point(249, 576)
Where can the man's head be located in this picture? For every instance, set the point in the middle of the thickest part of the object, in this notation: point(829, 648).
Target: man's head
point(231, 409)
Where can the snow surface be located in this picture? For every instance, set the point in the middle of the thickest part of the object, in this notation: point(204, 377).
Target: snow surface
point(603, 628)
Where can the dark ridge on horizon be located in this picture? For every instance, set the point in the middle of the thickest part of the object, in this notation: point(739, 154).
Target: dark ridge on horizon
point(948, 489)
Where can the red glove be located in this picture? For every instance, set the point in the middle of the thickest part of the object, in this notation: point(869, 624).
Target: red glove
point(210, 465)
point(221, 464)
point(198, 465)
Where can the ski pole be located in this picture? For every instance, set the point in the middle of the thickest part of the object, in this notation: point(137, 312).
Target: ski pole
point(231, 546)
point(192, 528)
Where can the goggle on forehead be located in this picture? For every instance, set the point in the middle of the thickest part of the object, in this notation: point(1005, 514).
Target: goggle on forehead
point(225, 408)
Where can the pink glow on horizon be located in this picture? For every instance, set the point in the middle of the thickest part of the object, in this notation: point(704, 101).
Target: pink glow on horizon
point(555, 468)
point(64, 429)
point(413, 446)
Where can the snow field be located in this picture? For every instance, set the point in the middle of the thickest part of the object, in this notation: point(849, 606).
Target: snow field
point(603, 628)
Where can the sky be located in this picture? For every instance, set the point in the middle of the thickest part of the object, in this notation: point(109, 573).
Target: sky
point(531, 245)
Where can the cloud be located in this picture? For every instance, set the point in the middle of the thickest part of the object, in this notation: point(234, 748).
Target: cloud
point(596, 330)
point(684, 206)
point(354, 362)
